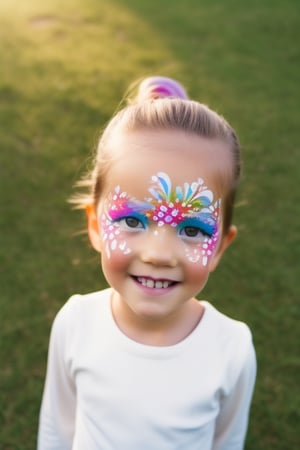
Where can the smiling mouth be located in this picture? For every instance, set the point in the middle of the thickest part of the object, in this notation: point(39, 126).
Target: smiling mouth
point(154, 284)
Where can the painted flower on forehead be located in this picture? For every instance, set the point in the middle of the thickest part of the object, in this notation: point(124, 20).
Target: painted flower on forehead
point(172, 206)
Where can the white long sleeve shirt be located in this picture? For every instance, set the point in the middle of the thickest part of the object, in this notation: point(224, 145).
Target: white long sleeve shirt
point(104, 391)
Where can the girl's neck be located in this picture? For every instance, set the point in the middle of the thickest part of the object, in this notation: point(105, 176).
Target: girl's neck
point(164, 332)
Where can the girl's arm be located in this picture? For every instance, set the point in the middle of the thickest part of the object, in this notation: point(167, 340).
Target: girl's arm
point(231, 426)
point(57, 416)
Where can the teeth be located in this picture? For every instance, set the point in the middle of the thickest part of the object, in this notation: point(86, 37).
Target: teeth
point(159, 284)
point(150, 283)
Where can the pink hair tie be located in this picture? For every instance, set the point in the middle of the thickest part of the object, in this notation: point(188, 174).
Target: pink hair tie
point(160, 87)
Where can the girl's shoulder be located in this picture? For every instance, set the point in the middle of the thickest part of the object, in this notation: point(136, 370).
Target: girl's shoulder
point(226, 336)
point(83, 309)
point(220, 324)
point(91, 299)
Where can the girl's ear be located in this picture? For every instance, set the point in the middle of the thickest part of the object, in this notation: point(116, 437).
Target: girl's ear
point(225, 242)
point(93, 227)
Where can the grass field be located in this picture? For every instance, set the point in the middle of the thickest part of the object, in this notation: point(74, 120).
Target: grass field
point(64, 68)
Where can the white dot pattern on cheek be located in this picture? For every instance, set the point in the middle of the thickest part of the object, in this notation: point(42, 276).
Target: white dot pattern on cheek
point(209, 247)
point(111, 236)
point(193, 255)
point(203, 251)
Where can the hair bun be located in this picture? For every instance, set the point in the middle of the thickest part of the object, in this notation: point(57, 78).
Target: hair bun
point(160, 87)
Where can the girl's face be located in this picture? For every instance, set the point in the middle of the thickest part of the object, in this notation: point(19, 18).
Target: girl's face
point(159, 219)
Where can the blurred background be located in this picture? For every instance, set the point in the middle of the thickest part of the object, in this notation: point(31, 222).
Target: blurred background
point(64, 67)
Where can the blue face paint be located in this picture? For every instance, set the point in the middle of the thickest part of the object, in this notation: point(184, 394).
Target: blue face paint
point(197, 226)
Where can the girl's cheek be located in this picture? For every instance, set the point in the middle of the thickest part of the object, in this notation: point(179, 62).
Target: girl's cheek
point(201, 252)
point(113, 238)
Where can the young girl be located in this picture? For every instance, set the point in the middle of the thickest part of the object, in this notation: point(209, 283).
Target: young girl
point(143, 365)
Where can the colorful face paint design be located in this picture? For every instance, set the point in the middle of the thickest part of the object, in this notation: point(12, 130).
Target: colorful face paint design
point(202, 251)
point(112, 237)
point(189, 209)
point(173, 207)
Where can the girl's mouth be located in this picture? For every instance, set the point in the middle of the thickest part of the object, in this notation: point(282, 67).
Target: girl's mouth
point(154, 284)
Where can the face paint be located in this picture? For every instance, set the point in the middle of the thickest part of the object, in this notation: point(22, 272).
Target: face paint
point(203, 250)
point(189, 209)
point(112, 237)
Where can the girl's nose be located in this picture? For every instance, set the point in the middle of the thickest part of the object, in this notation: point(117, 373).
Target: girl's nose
point(159, 247)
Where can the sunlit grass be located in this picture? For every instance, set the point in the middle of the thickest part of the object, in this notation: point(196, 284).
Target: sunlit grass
point(64, 68)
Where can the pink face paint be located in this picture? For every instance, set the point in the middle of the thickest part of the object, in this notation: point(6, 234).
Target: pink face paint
point(186, 208)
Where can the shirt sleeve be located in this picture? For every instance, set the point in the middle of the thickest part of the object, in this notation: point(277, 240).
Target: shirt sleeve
point(58, 410)
point(232, 422)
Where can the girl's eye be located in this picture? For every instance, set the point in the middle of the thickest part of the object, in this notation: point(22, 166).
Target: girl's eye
point(131, 223)
point(196, 229)
point(192, 232)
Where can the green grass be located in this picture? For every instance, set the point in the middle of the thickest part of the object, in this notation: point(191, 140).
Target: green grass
point(64, 68)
